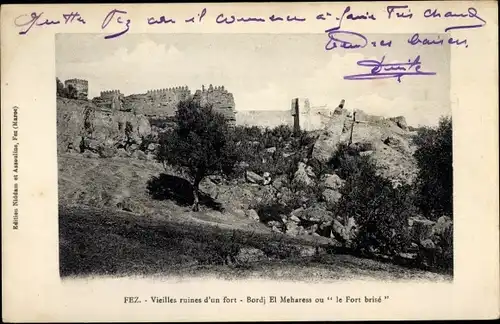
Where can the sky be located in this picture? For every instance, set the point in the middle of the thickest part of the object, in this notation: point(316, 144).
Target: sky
point(263, 71)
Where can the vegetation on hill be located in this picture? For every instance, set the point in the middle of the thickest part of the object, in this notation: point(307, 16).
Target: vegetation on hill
point(269, 176)
point(199, 144)
point(434, 157)
point(65, 92)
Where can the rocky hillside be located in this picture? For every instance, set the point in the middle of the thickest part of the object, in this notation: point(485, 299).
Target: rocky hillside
point(282, 185)
point(85, 128)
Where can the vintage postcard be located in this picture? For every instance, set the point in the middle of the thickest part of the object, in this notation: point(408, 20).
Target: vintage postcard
point(250, 161)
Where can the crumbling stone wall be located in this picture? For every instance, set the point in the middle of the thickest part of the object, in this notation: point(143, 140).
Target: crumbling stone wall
point(81, 86)
point(221, 100)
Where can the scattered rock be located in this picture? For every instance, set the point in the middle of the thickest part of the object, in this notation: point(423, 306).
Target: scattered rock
point(408, 256)
point(428, 244)
point(293, 229)
point(252, 214)
point(333, 181)
point(286, 196)
point(271, 150)
point(310, 172)
point(301, 178)
point(152, 147)
point(331, 196)
point(306, 251)
point(267, 178)
point(317, 214)
point(253, 177)
point(276, 229)
point(121, 152)
point(420, 228)
point(280, 182)
point(312, 229)
point(274, 224)
point(443, 224)
point(246, 255)
point(266, 195)
point(366, 153)
point(140, 155)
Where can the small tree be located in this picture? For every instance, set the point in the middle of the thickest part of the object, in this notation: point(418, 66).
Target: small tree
point(61, 91)
point(435, 175)
point(199, 144)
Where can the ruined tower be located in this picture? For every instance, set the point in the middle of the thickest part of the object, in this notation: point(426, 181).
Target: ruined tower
point(81, 86)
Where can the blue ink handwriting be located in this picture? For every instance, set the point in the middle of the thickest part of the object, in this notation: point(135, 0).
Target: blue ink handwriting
point(200, 16)
point(399, 13)
point(471, 13)
point(221, 19)
point(381, 70)
point(35, 19)
point(350, 17)
point(69, 18)
point(161, 20)
point(416, 40)
point(119, 20)
point(350, 40)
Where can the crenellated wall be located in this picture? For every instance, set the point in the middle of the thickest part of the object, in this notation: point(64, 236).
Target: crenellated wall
point(163, 102)
point(110, 94)
point(220, 99)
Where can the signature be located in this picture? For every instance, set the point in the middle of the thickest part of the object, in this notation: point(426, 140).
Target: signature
point(381, 70)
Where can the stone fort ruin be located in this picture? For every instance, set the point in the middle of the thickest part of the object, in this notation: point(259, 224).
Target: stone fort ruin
point(81, 86)
point(163, 102)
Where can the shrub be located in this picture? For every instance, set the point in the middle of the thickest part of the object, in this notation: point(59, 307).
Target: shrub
point(252, 142)
point(380, 210)
point(435, 175)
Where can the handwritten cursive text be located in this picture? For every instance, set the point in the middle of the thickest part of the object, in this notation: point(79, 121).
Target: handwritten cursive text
point(381, 70)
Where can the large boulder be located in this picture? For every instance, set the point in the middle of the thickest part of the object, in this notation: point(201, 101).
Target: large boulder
point(314, 214)
point(344, 233)
point(400, 121)
point(209, 188)
point(420, 228)
point(327, 142)
point(237, 196)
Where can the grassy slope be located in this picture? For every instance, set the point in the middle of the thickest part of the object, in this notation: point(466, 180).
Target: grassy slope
point(169, 240)
point(97, 242)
